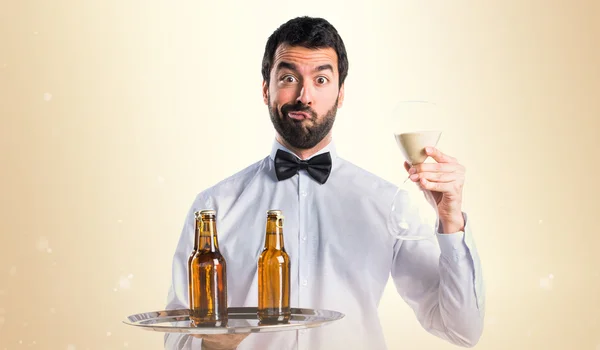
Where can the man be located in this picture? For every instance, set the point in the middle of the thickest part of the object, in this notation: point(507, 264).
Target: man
point(335, 230)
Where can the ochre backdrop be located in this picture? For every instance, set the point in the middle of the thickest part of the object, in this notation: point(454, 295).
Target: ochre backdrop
point(114, 114)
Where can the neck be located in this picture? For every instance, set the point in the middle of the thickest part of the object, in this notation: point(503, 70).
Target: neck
point(207, 236)
point(274, 237)
point(303, 153)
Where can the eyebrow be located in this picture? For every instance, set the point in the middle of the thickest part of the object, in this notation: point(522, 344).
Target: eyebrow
point(286, 65)
point(291, 66)
point(324, 67)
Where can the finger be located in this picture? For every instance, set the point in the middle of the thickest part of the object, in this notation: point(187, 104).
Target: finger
point(407, 166)
point(438, 156)
point(225, 337)
point(436, 177)
point(438, 167)
point(222, 339)
point(443, 187)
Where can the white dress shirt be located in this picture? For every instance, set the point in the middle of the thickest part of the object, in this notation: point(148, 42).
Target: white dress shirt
point(341, 254)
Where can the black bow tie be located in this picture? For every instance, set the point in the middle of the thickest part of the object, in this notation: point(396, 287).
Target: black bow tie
point(288, 165)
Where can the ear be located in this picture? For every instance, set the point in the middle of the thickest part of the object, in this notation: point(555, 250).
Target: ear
point(265, 92)
point(341, 97)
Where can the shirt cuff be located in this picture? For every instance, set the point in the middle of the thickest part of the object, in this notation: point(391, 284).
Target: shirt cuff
point(452, 245)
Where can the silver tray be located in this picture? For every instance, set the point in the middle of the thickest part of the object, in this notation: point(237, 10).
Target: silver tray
point(240, 320)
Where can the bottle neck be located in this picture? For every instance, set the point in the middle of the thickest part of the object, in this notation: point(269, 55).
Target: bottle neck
point(274, 234)
point(206, 235)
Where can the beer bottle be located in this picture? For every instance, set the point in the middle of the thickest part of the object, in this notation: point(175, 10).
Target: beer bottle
point(274, 274)
point(207, 275)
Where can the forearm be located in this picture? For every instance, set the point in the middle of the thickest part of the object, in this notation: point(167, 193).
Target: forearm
point(443, 285)
point(458, 314)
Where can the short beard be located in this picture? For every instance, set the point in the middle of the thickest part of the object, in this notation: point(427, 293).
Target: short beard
point(296, 134)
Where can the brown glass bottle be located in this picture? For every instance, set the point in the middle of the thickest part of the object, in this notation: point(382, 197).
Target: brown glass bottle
point(207, 273)
point(274, 274)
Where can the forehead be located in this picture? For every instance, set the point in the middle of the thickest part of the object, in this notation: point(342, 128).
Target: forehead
point(304, 57)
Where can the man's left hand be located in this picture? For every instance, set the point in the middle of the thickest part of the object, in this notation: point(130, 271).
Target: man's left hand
point(445, 179)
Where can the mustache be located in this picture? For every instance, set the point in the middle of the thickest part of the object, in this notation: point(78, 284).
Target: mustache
point(298, 107)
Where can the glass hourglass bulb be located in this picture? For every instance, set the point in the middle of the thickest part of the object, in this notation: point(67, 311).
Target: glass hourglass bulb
point(413, 213)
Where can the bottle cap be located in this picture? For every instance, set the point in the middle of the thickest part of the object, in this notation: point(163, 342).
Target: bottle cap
point(200, 213)
point(274, 213)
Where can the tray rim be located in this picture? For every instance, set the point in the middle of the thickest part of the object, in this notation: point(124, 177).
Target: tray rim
point(328, 316)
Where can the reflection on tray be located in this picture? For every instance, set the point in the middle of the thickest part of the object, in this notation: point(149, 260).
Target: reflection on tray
point(213, 324)
point(263, 324)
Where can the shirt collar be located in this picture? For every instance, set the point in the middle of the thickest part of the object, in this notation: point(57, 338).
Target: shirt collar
point(329, 148)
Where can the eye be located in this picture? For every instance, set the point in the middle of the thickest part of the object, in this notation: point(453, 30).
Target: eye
point(288, 79)
point(322, 80)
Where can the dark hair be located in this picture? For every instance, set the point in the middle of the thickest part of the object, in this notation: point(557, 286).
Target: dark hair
point(309, 32)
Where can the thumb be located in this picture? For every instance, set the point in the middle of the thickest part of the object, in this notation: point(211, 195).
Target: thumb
point(406, 166)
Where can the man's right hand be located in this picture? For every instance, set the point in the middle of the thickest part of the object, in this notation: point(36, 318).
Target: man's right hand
point(220, 341)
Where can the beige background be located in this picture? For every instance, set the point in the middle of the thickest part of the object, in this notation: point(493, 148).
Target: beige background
point(114, 114)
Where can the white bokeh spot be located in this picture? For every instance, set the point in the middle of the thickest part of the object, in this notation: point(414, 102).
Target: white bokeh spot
point(71, 347)
point(124, 283)
point(47, 96)
point(108, 334)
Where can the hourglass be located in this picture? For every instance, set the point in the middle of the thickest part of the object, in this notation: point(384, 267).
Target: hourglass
point(413, 213)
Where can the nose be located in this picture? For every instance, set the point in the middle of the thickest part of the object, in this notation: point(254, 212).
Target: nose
point(306, 93)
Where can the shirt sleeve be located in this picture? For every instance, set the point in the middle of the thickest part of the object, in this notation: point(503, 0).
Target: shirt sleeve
point(178, 291)
point(443, 284)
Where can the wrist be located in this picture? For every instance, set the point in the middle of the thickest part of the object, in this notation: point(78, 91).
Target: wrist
point(452, 224)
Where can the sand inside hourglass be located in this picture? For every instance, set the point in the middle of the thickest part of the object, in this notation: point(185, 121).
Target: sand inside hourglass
point(413, 144)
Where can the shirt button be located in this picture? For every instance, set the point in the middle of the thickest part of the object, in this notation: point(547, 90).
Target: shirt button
point(304, 282)
point(304, 238)
point(303, 193)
